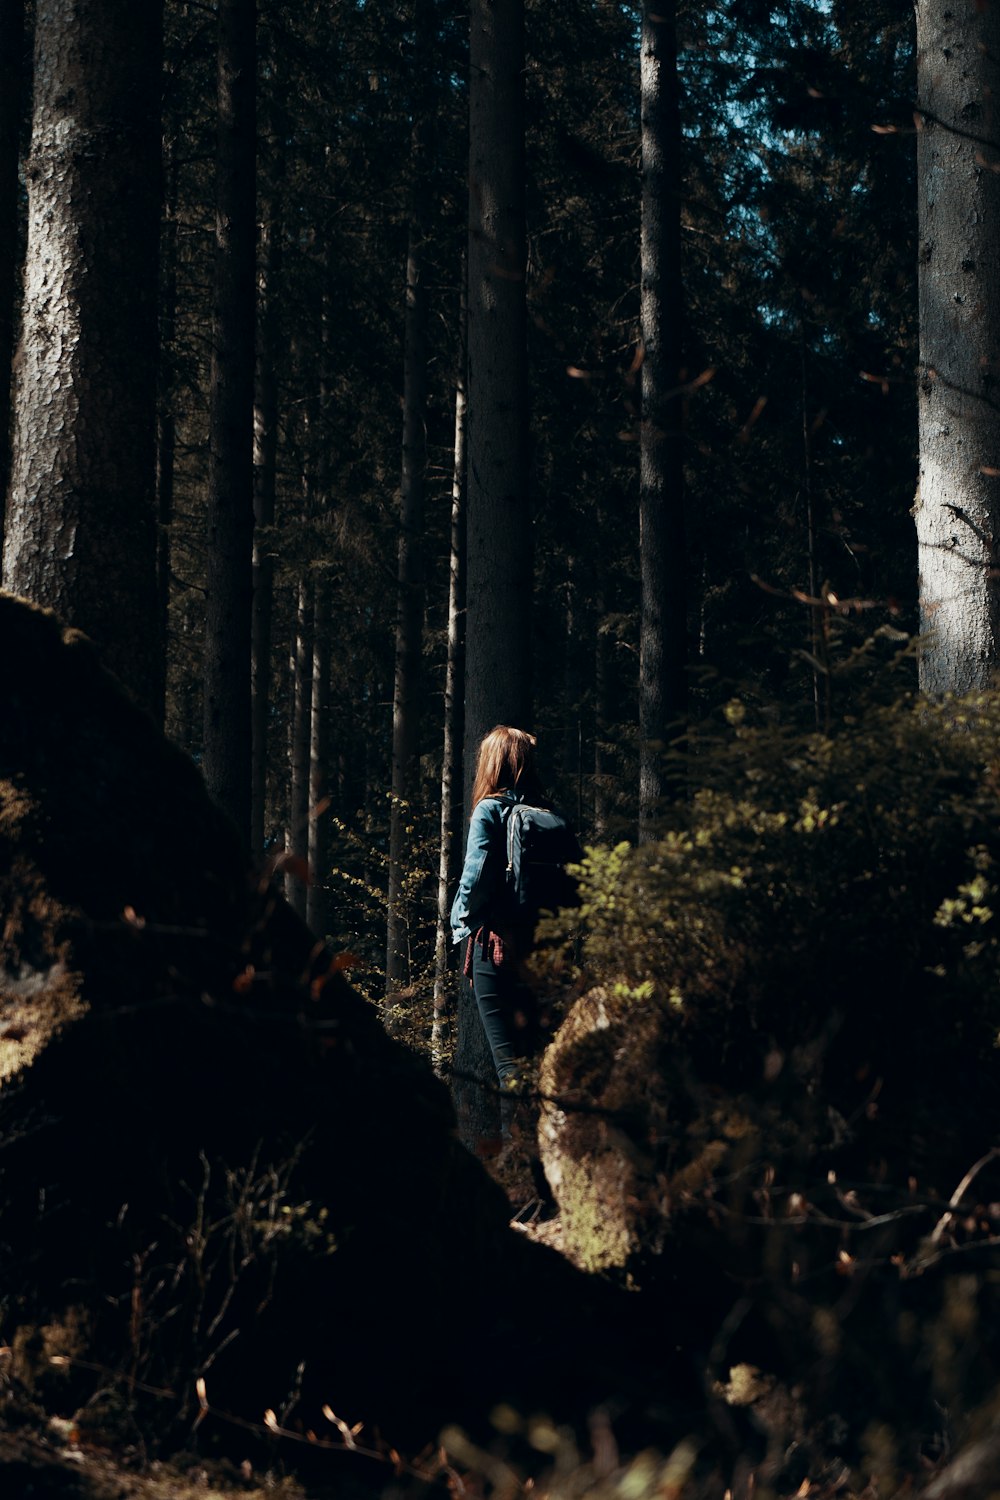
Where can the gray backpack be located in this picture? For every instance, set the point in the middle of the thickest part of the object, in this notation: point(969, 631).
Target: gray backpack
point(540, 844)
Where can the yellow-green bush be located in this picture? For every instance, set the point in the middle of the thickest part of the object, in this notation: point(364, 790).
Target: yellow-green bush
point(782, 1065)
point(850, 875)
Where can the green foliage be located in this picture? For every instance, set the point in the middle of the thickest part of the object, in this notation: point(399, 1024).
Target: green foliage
point(851, 874)
point(357, 880)
point(778, 1091)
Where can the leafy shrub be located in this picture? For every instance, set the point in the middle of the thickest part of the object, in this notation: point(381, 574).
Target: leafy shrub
point(773, 1104)
point(846, 881)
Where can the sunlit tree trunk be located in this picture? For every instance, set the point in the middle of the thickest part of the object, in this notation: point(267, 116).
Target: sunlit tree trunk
point(12, 71)
point(663, 627)
point(228, 576)
point(80, 533)
point(958, 502)
point(498, 548)
point(451, 755)
point(602, 720)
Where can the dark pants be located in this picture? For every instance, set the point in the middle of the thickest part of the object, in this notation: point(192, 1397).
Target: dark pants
point(504, 1004)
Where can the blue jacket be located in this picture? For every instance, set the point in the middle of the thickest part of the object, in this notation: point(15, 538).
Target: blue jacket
point(484, 873)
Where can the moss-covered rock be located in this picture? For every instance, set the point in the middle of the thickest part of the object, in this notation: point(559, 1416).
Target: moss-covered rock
point(602, 1105)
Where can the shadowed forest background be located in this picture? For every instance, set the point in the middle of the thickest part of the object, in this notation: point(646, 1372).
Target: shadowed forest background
point(376, 374)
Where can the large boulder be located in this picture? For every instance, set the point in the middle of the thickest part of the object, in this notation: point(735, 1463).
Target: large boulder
point(216, 1165)
point(602, 1107)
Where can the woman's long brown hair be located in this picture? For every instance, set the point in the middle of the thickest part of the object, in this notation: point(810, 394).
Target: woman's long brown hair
point(506, 760)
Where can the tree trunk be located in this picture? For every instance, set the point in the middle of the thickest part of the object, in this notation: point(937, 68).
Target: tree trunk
point(602, 718)
point(410, 571)
point(229, 578)
point(317, 903)
point(499, 519)
point(572, 735)
point(498, 549)
point(451, 755)
point(300, 729)
point(166, 426)
point(80, 532)
point(957, 510)
point(265, 451)
point(663, 622)
point(11, 104)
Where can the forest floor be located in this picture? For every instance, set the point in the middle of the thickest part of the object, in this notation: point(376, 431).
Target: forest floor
point(44, 1465)
point(43, 1457)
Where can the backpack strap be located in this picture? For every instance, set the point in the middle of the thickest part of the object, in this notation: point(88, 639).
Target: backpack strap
point(510, 836)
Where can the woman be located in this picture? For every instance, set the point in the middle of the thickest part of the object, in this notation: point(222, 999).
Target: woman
point(505, 776)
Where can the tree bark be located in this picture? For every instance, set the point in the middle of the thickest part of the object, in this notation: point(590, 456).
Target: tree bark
point(573, 692)
point(80, 532)
point(663, 614)
point(300, 728)
point(317, 904)
point(410, 569)
point(958, 503)
point(11, 106)
point(265, 451)
point(498, 549)
point(166, 426)
point(229, 579)
point(603, 770)
point(451, 754)
point(499, 557)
